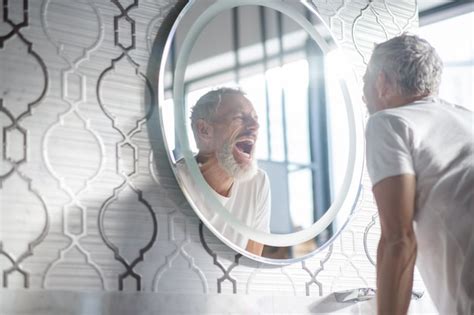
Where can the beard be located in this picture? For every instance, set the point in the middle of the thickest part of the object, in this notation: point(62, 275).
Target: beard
point(239, 172)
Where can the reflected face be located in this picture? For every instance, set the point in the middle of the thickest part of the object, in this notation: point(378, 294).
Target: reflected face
point(235, 135)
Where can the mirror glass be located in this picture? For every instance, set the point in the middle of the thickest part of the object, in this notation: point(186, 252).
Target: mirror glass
point(268, 121)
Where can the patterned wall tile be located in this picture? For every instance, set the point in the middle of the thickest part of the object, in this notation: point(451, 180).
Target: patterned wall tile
point(24, 225)
point(61, 155)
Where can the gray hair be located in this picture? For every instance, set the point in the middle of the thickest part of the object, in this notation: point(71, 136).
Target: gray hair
point(410, 63)
point(207, 105)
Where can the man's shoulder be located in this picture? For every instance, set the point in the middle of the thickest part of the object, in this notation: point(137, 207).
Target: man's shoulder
point(416, 114)
point(396, 113)
point(261, 172)
point(261, 175)
point(420, 108)
point(263, 180)
point(389, 119)
point(260, 179)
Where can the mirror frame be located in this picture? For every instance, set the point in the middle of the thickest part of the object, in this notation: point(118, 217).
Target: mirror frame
point(348, 196)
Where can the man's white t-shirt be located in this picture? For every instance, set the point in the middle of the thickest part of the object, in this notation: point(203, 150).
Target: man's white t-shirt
point(434, 141)
point(249, 201)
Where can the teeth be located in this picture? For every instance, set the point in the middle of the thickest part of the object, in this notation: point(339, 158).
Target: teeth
point(250, 141)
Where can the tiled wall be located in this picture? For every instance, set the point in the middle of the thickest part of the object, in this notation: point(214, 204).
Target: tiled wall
point(85, 204)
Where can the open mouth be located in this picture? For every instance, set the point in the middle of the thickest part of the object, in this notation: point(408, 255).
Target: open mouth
point(244, 149)
point(245, 146)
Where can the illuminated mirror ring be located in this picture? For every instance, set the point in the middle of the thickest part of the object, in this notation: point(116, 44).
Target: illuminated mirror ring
point(350, 188)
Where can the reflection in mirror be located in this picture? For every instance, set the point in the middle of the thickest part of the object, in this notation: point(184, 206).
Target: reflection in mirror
point(257, 87)
point(225, 128)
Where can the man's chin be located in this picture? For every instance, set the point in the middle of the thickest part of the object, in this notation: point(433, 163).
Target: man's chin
point(246, 171)
point(239, 171)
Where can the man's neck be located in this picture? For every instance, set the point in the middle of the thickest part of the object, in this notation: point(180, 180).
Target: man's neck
point(214, 174)
point(398, 100)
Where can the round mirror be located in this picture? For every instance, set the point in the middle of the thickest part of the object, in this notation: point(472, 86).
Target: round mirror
point(258, 117)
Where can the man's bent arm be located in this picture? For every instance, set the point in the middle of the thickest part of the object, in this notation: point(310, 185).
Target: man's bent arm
point(263, 215)
point(396, 253)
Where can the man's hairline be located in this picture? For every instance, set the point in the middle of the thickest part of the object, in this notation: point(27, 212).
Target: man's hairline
point(219, 104)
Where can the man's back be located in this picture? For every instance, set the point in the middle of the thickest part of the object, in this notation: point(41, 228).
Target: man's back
point(434, 141)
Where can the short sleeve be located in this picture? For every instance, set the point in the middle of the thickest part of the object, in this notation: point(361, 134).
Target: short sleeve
point(262, 217)
point(388, 147)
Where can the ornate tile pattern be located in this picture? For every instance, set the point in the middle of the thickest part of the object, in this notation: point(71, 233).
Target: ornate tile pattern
point(86, 203)
point(15, 184)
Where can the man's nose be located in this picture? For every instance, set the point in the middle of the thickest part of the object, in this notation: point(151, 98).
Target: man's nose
point(252, 124)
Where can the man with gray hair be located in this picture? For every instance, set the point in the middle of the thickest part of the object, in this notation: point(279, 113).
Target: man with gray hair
point(420, 160)
point(225, 127)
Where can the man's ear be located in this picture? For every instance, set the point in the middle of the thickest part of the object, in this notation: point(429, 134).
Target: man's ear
point(384, 87)
point(381, 85)
point(204, 130)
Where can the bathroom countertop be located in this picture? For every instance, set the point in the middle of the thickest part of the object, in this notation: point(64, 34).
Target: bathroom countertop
point(65, 302)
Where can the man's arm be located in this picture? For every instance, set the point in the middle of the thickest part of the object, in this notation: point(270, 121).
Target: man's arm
point(262, 219)
point(396, 253)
